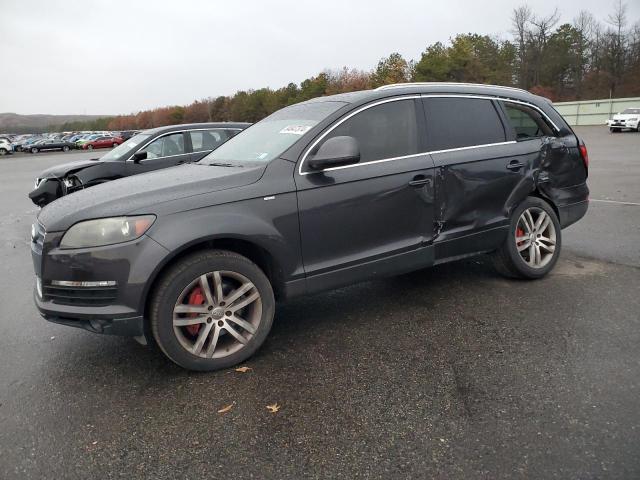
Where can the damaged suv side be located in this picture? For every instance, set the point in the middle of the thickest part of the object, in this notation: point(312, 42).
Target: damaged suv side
point(318, 195)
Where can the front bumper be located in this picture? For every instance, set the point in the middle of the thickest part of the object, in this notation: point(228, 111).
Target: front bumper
point(116, 310)
point(46, 192)
point(623, 124)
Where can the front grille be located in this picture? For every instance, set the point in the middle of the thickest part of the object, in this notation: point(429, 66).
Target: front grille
point(37, 237)
point(85, 296)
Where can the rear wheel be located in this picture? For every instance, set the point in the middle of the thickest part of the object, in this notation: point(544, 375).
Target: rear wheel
point(89, 147)
point(532, 246)
point(212, 310)
point(34, 150)
point(65, 148)
point(115, 145)
point(3, 151)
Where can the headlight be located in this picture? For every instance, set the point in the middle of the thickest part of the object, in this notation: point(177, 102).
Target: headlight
point(106, 231)
point(632, 119)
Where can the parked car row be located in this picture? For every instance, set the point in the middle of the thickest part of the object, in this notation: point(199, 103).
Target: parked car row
point(34, 143)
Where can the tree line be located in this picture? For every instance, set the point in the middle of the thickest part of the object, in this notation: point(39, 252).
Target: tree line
point(583, 59)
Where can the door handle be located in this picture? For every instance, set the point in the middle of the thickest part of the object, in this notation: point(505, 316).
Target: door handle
point(515, 165)
point(418, 181)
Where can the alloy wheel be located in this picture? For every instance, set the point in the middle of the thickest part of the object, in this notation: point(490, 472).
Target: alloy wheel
point(217, 314)
point(535, 237)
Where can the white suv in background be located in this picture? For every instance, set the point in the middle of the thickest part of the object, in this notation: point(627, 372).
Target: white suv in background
point(628, 118)
point(5, 146)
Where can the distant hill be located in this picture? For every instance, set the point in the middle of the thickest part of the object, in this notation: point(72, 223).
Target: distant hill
point(16, 123)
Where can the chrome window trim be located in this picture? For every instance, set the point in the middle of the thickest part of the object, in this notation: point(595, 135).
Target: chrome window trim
point(407, 97)
point(174, 132)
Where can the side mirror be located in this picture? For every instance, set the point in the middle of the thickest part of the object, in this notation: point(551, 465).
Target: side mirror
point(138, 156)
point(336, 152)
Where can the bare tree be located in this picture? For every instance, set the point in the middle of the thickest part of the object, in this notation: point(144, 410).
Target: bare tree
point(520, 20)
point(538, 38)
point(618, 20)
point(584, 24)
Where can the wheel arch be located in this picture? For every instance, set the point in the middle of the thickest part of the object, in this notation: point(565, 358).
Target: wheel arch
point(258, 254)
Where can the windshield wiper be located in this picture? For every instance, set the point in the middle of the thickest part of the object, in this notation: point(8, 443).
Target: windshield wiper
point(220, 164)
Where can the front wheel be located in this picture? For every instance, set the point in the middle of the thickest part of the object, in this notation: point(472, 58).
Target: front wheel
point(34, 150)
point(65, 148)
point(3, 151)
point(533, 243)
point(89, 147)
point(115, 145)
point(212, 310)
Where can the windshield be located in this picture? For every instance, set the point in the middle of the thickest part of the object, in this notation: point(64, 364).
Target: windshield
point(271, 136)
point(122, 151)
point(631, 111)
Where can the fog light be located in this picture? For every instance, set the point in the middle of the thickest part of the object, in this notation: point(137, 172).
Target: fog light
point(66, 283)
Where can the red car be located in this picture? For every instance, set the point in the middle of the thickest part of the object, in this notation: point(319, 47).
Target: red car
point(103, 142)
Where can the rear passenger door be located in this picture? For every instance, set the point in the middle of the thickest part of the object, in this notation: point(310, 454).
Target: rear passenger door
point(204, 142)
point(478, 172)
point(372, 217)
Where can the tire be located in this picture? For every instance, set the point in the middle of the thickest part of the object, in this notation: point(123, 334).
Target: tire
point(89, 147)
point(181, 287)
point(34, 150)
point(510, 259)
point(115, 145)
point(3, 151)
point(65, 148)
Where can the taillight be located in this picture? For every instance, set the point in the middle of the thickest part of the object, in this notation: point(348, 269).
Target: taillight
point(585, 155)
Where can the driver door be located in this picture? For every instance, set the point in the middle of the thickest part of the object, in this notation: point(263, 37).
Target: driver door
point(374, 217)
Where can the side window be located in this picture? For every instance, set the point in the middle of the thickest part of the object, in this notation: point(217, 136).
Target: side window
point(526, 121)
point(165, 146)
point(462, 122)
point(207, 140)
point(385, 131)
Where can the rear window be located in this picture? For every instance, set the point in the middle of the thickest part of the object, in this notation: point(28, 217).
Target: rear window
point(526, 122)
point(462, 122)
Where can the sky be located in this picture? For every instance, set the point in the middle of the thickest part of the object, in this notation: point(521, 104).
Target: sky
point(118, 57)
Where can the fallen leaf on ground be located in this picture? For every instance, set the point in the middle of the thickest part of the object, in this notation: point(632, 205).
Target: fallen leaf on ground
point(226, 409)
point(243, 369)
point(273, 408)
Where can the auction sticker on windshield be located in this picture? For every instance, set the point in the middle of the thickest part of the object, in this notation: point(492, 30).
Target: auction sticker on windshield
point(296, 129)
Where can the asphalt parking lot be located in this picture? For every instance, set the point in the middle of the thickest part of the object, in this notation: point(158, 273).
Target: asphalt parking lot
point(451, 372)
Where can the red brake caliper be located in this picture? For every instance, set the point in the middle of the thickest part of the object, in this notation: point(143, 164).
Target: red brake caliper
point(519, 233)
point(195, 298)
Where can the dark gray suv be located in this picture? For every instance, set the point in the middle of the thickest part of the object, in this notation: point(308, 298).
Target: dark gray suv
point(318, 195)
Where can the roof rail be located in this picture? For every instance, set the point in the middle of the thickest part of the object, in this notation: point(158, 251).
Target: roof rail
point(446, 84)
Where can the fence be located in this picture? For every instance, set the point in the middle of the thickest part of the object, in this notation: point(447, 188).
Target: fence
point(594, 112)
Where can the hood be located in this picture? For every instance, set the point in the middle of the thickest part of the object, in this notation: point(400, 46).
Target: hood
point(625, 116)
point(143, 192)
point(60, 171)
